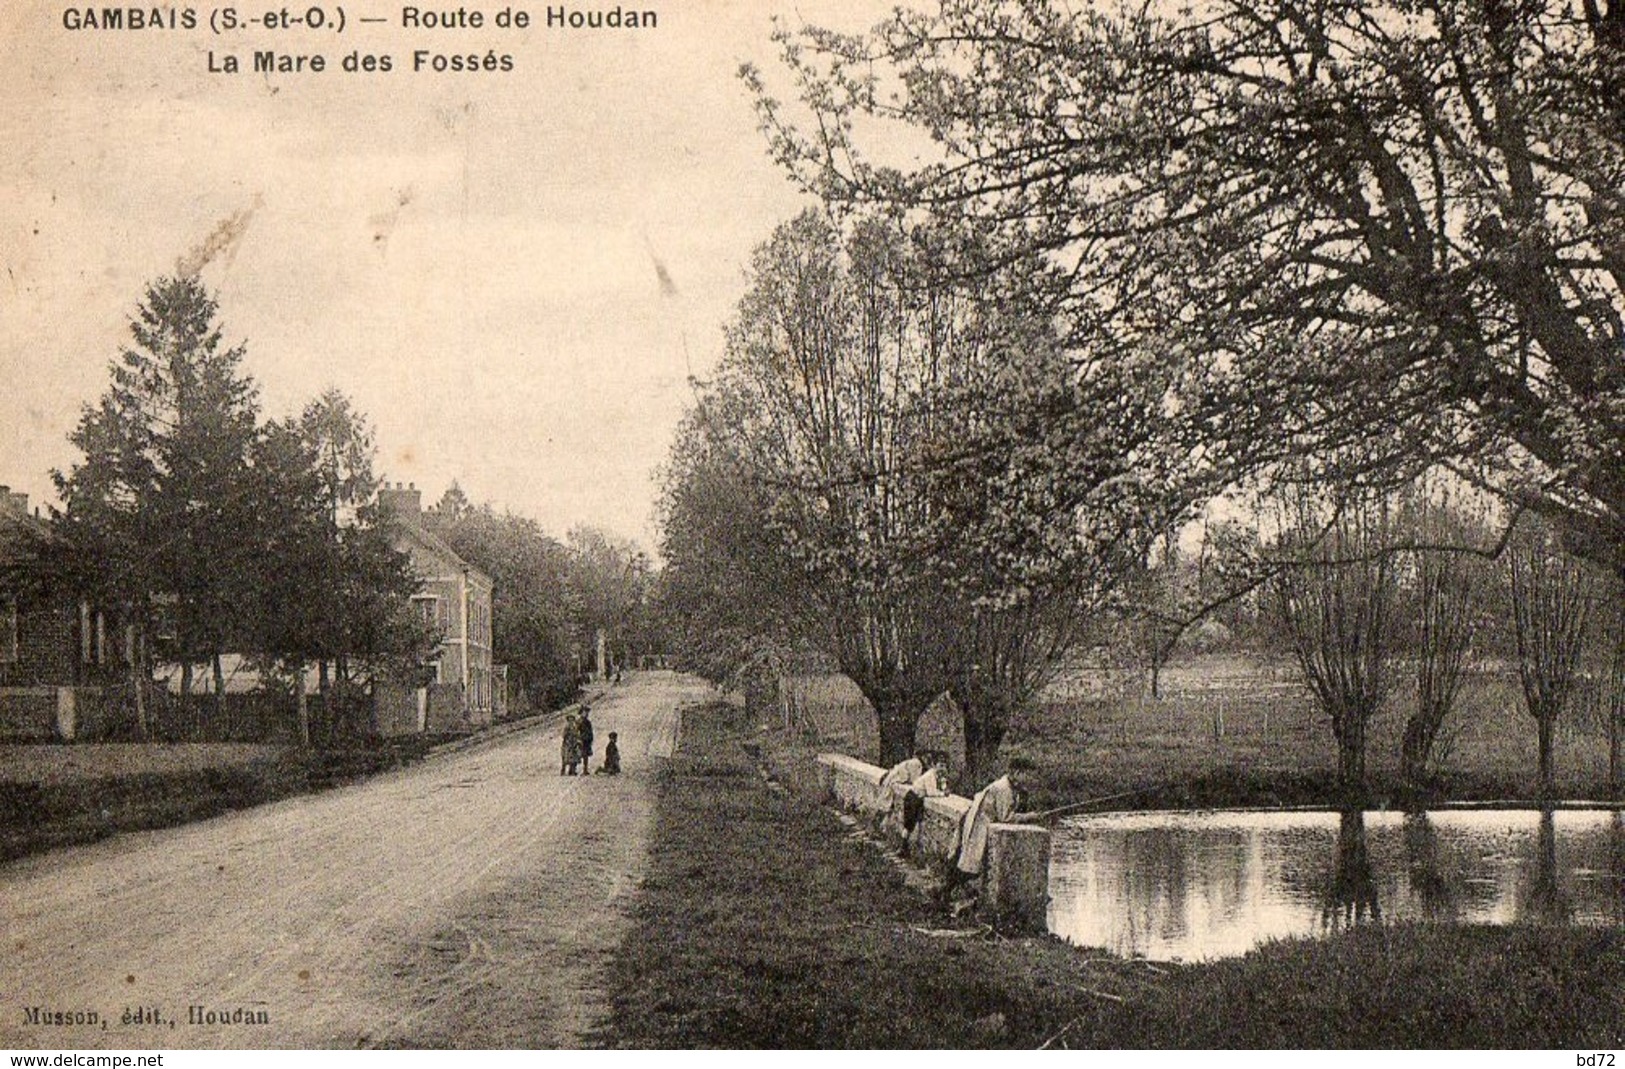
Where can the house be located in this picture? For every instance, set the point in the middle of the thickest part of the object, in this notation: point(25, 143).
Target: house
point(59, 654)
point(462, 689)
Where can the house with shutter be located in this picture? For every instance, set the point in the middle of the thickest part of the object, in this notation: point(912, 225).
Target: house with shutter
point(59, 653)
point(460, 688)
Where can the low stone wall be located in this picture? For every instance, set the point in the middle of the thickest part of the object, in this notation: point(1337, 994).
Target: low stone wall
point(1017, 867)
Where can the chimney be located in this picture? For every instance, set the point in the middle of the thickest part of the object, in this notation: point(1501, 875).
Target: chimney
point(404, 503)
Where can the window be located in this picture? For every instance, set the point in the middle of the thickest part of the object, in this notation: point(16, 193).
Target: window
point(428, 609)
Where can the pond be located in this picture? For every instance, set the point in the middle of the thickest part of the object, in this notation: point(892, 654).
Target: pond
point(1198, 886)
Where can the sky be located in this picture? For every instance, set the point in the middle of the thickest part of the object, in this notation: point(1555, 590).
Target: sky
point(512, 274)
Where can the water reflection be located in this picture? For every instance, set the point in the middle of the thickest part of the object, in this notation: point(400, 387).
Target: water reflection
point(1204, 885)
point(1544, 900)
point(1352, 897)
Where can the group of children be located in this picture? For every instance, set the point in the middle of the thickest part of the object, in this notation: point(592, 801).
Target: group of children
point(576, 746)
point(925, 776)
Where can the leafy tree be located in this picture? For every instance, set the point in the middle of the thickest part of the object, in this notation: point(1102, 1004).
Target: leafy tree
point(531, 606)
point(217, 533)
point(1180, 589)
point(1394, 224)
point(160, 509)
point(346, 605)
point(609, 584)
point(735, 603)
point(895, 439)
point(453, 504)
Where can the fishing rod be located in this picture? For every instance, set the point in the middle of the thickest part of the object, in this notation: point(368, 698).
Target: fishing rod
point(1075, 807)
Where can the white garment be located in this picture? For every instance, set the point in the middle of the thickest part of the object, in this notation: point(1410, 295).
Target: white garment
point(928, 784)
point(993, 804)
point(903, 773)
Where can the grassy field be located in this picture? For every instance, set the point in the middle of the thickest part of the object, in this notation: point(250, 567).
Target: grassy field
point(81, 762)
point(1226, 731)
point(52, 796)
point(763, 921)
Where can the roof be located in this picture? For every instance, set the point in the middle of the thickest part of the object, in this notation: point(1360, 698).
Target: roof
point(433, 543)
point(18, 529)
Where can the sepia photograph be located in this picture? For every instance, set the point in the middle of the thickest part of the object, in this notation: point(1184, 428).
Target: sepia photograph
point(811, 525)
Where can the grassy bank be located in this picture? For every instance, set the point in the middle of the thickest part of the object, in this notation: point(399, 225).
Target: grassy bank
point(764, 922)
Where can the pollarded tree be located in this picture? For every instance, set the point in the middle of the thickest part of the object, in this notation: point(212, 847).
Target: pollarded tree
point(1394, 224)
point(812, 405)
point(1336, 597)
point(1551, 594)
point(1447, 584)
point(896, 433)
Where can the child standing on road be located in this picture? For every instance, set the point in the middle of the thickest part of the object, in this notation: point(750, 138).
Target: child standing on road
point(570, 746)
point(612, 757)
point(584, 727)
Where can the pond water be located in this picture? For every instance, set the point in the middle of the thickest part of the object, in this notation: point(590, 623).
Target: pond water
point(1197, 886)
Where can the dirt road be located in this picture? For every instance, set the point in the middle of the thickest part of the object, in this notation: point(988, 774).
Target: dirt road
point(466, 901)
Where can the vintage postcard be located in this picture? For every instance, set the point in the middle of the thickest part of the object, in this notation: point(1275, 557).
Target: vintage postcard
point(811, 524)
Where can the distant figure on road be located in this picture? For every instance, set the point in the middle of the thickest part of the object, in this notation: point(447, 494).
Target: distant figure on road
point(570, 746)
point(584, 728)
point(612, 757)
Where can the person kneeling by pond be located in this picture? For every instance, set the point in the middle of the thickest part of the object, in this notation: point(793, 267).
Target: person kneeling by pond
point(997, 803)
point(924, 776)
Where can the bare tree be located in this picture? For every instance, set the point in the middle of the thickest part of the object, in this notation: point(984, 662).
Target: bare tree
point(1614, 696)
point(1448, 583)
point(1551, 594)
point(1337, 603)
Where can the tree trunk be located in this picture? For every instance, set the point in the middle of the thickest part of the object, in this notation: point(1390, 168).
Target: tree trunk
point(186, 701)
point(1350, 732)
point(1613, 754)
point(1615, 698)
point(982, 743)
point(219, 689)
point(1420, 731)
point(898, 717)
point(324, 687)
point(341, 698)
point(137, 684)
point(1547, 721)
point(303, 704)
